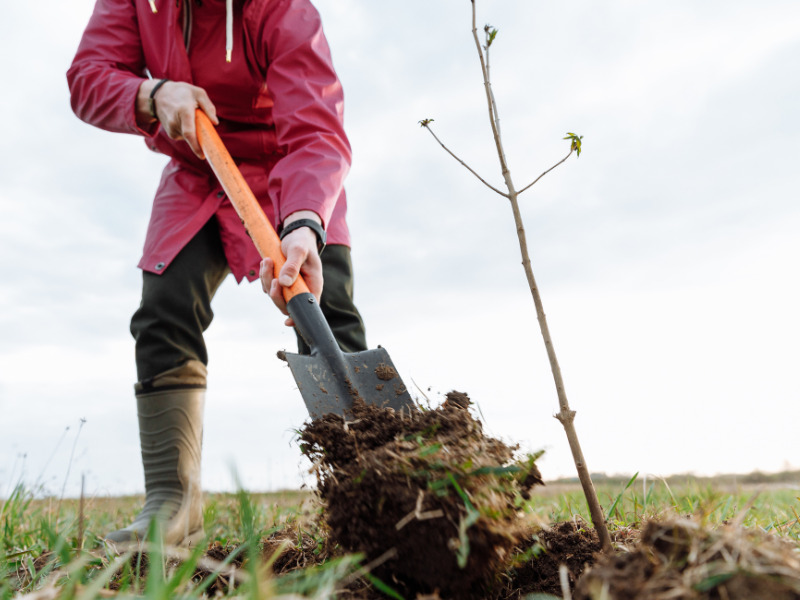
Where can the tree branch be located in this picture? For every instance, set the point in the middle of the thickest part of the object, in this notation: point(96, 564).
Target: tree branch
point(424, 123)
point(571, 150)
point(490, 101)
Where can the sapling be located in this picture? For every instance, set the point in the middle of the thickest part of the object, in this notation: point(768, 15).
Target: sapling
point(565, 415)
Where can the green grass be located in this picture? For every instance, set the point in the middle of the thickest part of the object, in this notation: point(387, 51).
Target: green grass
point(772, 507)
point(45, 545)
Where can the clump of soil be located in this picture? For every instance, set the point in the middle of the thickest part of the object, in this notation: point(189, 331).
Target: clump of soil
point(680, 559)
point(535, 568)
point(223, 582)
point(426, 496)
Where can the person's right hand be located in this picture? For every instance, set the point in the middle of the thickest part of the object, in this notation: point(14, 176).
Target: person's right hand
point(176, 102)
point(302, 257)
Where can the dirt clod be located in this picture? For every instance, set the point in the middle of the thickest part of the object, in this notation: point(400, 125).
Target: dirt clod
point(385, 372)
point(536, 570)
point(427, 493)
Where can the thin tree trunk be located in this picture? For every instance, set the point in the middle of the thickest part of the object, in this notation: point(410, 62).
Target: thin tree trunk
point(565, 416)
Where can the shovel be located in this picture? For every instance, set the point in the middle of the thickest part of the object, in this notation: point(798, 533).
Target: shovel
point(328, 379)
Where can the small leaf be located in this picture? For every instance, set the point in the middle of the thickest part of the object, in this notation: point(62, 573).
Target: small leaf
point(576, 142)
point(426, 122)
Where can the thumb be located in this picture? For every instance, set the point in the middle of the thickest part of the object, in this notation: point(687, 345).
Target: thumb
point(208, 107)
point(291, 269)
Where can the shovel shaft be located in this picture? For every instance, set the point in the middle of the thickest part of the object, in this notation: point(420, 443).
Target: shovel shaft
point(329, 379)
point(249, 210)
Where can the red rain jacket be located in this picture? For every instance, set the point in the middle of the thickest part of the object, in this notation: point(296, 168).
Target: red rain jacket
point(279, 104)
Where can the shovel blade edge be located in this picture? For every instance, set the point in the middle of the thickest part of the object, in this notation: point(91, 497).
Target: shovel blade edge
point(371, 373)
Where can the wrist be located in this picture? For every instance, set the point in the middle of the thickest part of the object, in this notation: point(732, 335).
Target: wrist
point(302, 214)
point(313, 224)
point(152, 98)
point(143, 116)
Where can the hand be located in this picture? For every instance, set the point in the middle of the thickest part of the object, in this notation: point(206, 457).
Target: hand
point(300, 250)
point(176, 102)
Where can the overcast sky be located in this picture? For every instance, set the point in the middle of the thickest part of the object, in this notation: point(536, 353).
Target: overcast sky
point(667, 254)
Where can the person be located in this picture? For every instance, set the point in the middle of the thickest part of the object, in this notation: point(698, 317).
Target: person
point(262, 71)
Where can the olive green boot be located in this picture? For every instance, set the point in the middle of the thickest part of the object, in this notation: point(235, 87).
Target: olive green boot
point(171, 434)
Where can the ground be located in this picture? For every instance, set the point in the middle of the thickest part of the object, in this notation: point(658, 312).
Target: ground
point(437, 511)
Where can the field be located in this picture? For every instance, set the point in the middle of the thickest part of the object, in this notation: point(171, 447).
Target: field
point(274, 546)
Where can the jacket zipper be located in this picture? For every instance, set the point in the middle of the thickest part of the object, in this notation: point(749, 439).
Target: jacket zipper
point(187, 23)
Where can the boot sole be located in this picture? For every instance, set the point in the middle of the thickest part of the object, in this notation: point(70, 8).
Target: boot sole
point(188, 541)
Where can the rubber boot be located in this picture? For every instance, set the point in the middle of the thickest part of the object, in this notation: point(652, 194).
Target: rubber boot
point(171, 433)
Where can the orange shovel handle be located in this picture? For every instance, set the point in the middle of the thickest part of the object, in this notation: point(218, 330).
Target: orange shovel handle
point(250, 212)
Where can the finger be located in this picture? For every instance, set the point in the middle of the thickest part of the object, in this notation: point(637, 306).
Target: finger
point(295, 258)
point(208, 107)
point(190, 134)
point(265, 274)
point(276, 293)
point(312, 275)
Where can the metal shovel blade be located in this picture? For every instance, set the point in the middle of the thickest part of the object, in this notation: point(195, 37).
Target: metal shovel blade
point(331, 380)
point(371, 373)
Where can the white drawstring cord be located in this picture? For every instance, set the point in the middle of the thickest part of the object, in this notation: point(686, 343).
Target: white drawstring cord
point(228, 30)
point(228, 26)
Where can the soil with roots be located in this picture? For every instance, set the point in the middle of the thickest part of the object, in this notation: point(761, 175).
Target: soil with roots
point(672, 558)
point(431, 502)
point(679, 558)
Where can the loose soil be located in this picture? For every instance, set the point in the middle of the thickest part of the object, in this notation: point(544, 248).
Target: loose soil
point(428, 498)
point(678, 558)
point(674, 558)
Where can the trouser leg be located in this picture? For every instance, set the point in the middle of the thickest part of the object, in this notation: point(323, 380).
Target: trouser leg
point(176, 307)
point(337, 301)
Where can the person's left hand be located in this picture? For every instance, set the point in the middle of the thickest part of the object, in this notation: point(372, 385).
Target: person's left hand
point(175, 103)
point(302, 257)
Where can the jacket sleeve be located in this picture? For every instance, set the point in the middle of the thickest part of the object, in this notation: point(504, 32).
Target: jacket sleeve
point(308, 111)
point(108, 68)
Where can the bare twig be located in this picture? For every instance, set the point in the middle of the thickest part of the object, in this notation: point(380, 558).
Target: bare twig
point(493, 118)
point(489, 38)
point(571, 150)
point(425, 124)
